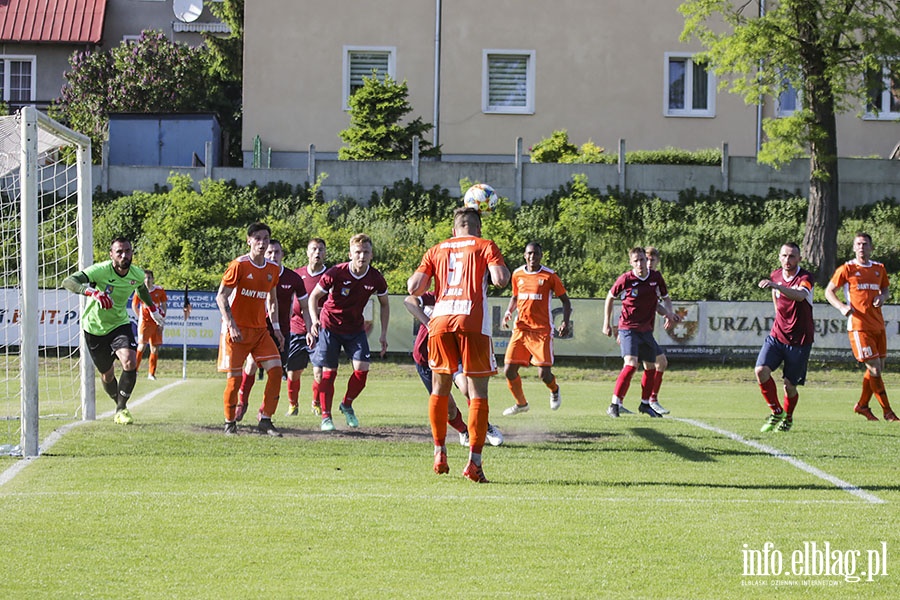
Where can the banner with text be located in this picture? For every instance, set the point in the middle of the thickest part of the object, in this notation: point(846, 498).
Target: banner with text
point(708, 329)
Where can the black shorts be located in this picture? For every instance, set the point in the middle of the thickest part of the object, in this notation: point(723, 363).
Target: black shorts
point(103, 347)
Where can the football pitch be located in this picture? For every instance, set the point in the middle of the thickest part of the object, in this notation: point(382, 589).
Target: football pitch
point(699, 504)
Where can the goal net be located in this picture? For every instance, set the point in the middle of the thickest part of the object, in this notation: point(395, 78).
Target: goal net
point(45, 235)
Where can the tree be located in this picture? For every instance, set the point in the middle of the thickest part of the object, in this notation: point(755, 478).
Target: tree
point(153, 74)
point(226, 64)
point(375, 132)
point(826, 49)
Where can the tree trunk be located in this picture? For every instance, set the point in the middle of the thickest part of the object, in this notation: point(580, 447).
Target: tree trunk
point(820, 238)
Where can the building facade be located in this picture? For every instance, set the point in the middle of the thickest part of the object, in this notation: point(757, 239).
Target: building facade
point(37, 37)
point(603, 71)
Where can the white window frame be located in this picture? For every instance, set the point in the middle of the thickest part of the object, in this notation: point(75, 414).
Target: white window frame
point(486, 106)
point(780, 111)
point(391, 52)
point(10, 58)
point(687, 111)
point(883, 115)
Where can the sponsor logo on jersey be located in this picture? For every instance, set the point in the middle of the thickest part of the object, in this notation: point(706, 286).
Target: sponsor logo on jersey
point(249, 275)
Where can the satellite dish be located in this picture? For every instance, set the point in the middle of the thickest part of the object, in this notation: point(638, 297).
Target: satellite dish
point(187, 11)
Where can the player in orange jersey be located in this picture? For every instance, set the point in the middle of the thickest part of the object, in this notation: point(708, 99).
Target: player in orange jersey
point(865, 287)
point(460, 329)
point(149, 333)
point(246, 296)
point(533, 289)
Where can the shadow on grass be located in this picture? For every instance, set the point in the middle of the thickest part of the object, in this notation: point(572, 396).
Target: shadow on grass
point(667, 443)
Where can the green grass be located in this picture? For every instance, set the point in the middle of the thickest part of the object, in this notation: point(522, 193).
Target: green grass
point(580, 505)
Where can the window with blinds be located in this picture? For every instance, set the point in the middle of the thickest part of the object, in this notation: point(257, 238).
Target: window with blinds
point(508, 85)
point(360, 62)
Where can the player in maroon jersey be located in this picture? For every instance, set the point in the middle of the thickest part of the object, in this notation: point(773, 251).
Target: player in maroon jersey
point(298, 352)
point(791, 337)
point(346, 288)
point(641, 291)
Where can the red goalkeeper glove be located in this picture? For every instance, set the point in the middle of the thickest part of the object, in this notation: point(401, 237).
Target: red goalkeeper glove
point(102, 297)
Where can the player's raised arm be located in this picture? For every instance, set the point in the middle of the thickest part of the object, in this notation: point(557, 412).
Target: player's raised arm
point(414, 307)
point(499, 275)
point(418, 283)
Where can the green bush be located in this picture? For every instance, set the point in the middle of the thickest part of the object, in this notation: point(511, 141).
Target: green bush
point(558, 149)
point(714, 245)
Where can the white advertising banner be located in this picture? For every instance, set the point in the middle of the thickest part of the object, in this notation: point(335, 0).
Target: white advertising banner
point(708, 329)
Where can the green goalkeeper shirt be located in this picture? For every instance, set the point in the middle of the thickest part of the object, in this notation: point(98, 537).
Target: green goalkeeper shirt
point(102, 276)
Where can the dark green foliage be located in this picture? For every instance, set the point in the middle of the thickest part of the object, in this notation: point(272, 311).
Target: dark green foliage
point(714, 246)
point(376, 132)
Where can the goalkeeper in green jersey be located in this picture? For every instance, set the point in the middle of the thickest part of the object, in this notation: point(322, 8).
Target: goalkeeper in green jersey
point(107, 328)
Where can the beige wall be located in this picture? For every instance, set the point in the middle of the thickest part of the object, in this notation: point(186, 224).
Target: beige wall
point(599, 74)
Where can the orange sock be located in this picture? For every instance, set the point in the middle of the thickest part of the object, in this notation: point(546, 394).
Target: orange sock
point(140, 355)
point(154, 359)
point(272, 391)
point(515, 386)
point(877, 384)
point(478, 422)
point(232, 384)
point(866, 394)
point(552, 385)
point(437, 415)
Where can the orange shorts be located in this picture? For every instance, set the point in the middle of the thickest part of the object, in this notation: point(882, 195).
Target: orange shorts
point(149, 333)
point(867, 345)
point(529, 347)
point(475, 351)
point(256, 342)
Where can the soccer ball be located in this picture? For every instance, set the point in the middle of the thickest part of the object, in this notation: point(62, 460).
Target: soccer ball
point(481, 197)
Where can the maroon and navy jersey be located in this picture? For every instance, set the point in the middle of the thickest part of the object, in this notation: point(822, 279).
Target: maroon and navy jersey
point(639, 298)
point(298, 325)
point(289, 285)
point(347, 297)
point(793, 319)
point(420, 346)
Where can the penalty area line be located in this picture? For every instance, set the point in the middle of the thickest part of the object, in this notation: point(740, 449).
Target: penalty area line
point(796, 462)
point(7, 475)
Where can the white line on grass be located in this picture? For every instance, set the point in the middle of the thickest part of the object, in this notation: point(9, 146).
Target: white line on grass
point(839, 483)
point(7, 475)
point(232, 495)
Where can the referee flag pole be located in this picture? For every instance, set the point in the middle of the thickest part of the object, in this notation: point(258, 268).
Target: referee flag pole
point(187, 313)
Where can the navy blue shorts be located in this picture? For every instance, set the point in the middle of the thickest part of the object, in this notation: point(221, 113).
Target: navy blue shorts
point(640, 344)
point(297, 353)
point(327, 353)
point(425, 375)
point(795, 358)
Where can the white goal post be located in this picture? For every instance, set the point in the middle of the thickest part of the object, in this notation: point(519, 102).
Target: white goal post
point(47, 166)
